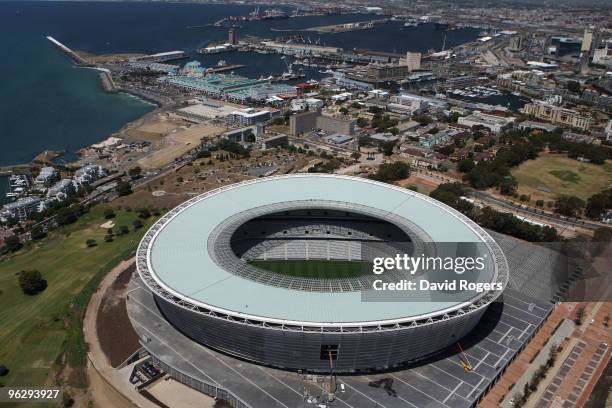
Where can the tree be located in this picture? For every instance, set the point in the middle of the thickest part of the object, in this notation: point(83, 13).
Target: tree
point(109, 213)
point(598, 204)
point(453, 117)
point(137, 224)
point(134, 172)
point(344, 111)
point(12, 243)
point(579, 316)
point(37, 233)
point(423, 119)
point(362, 122)
point(466, 165)
point(123, 229)
point(539, 203)
point(91, 243)
point(32, 282)
point(387, 147)
point(447, 150)
point(144, 213)
point(124, 188)
point(569, 205)
point(66, 216)
point(392, 171)
point(3, 370)
point(375, 110)
point(108, 238)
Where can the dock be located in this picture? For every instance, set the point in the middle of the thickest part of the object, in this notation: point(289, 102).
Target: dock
point(226, 68)
point(76, 57)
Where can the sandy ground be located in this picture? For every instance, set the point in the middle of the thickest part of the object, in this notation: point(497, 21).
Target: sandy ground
point(151, 127)
point(102, 394)
point(107, 57)
point(424, 185)
point(109, 377)
point(177, 395)
point(178, 143)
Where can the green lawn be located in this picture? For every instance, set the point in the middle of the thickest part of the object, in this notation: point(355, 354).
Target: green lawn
point(317, 269)
point(551, 175)
point(35, 330)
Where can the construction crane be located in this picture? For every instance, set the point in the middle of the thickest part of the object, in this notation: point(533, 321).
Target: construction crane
point(465, 363)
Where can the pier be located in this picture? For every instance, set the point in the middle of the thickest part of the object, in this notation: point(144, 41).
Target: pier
point(226, 68)
point(76, 57)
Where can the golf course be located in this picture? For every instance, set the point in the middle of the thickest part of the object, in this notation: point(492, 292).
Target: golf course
point(40, 331)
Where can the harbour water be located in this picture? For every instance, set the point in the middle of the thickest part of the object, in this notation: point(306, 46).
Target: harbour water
point(50, 104)
point(4, 188)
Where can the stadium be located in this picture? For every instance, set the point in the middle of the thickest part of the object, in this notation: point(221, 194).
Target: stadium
point(276, 271)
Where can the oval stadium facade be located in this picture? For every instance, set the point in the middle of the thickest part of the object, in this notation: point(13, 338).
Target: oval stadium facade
point(272, 271)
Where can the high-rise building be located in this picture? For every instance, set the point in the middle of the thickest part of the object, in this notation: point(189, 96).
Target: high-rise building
point(413, 61)
point(232, 36)
point(585, 49)
point(587, 40)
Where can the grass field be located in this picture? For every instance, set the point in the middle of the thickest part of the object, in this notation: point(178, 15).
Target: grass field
point(317, 269)
point(551, 175)
point(36, 330)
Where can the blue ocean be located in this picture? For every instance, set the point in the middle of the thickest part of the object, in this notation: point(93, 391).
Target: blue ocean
point(49, 104)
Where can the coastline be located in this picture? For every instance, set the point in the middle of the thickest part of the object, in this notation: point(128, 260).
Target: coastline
point(90, 61)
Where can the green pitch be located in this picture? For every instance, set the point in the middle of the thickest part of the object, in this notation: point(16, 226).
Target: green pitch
point(317, 269)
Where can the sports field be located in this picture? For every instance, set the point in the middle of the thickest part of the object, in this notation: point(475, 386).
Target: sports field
point(36, 330)
point(551, 175)
point(315, 269)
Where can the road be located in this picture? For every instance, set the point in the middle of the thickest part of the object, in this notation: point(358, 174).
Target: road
point(487, 198)
point(484, 196)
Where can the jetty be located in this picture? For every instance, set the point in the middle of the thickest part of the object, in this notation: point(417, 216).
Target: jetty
point(107, 82)
point(224, 68)
point(76, 57)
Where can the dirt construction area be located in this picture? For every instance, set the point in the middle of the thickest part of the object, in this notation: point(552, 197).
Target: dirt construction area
point(152, 127)
point(179, 142)
point(115, 333)
point(175, 187)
